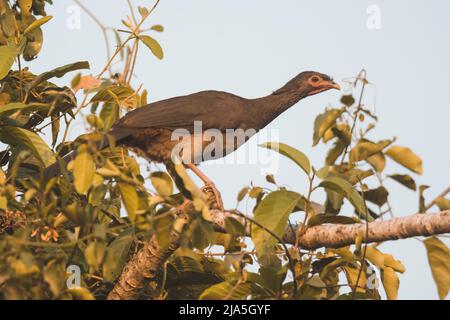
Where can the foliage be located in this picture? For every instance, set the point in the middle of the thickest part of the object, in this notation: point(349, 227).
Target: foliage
point(101, 210)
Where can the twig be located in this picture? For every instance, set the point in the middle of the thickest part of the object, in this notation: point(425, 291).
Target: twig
point(432, 203)
point(358, 109)
point(102, 27)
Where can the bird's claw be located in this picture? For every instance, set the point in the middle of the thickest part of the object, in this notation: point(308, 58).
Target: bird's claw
point(214, 197)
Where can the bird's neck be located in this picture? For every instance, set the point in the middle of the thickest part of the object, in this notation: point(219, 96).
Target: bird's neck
point(270, 107)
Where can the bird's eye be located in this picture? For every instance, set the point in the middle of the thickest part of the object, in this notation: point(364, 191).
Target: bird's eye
point(314, 79)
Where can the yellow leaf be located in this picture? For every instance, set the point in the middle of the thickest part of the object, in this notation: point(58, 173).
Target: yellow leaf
point(162, 183)
point(439, 260)
point(129, 198)
point(36, 24)
point(81, 294)
point(391, 282)
point(351, 274)
point(365, 149)
point(325, 121)
point(375, 256)
point(442, 203)
point(3, 203)
point(2, 177)
point(406, 157)
point(25, 7)
point(83, 172)
point(389, 261)
point(377, 161)
point(158, 28)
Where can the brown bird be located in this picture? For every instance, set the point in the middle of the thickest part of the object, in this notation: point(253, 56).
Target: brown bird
point(151, 129)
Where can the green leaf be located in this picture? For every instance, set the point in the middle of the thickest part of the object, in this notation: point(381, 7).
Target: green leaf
point(109, 115)
point(157, 28)
point(116, 255)
point(406, 157)
point(405, 180)
point(273, 277)
point(422, 206)
point(234, 227)
point(197, 195)
point(329, 218)
point(295, 155)
point(163, 226)
point(129, 199)
point(153, 45)
point(273, 213)
point(29, 140)
point(439, 260)
point(36, 24)
point(202, 234)
point(391, 282)
point(242, 194)
point(54, 275)
point(143, 11)
point(83, 172)
point(325, 121)
point(14, 107)
point(344, 188)
point(162, 182)
point(94, 254)
point(111, 93)
point(58, 72)
point(334, 152)
point(379, 196)
point(8, 55)
point(231, 290)
point(185, 261)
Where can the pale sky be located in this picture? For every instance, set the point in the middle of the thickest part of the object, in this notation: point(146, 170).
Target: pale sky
point(251, 48)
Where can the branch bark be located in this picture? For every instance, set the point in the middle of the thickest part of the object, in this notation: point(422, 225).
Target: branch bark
point(335, 236)
point(145, 265)
point(143, 269)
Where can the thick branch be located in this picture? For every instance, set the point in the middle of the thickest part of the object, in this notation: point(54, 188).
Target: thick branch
point(340, 235)
point(145, 265)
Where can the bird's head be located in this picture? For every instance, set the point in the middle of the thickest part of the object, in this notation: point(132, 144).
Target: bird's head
point(309, 83)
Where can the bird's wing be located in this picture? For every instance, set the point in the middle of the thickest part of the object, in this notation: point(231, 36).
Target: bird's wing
point(213, 108)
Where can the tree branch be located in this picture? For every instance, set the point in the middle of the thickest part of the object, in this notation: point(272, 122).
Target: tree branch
point(145, 265)
point(338, 235)
point(341, 235)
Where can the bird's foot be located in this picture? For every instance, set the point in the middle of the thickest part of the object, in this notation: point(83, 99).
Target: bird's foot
point(214, 197)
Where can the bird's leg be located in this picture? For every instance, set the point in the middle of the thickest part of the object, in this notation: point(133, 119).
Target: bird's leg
point(209, 188)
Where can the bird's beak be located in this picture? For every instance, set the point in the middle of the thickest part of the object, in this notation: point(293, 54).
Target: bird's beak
point(324, 86)
point(334, 85)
